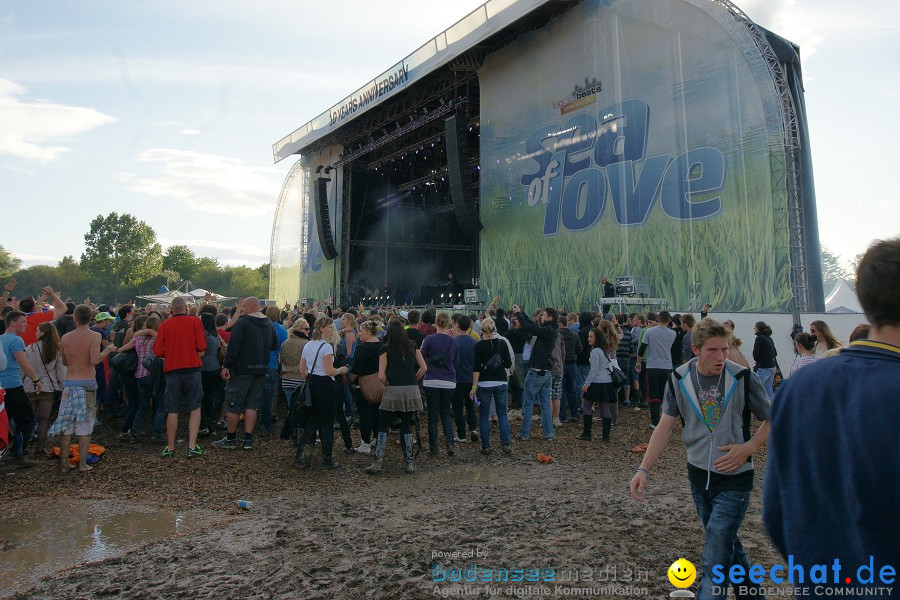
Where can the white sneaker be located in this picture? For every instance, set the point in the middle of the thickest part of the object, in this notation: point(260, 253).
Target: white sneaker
point(461, 440)
point(364, 448)
point(557, 423)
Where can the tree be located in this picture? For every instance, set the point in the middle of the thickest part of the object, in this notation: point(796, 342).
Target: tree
point(71, 278)
point(121, 250)
point(832, 270)
point(9, 264)
point(246, 282)
point(182, 260)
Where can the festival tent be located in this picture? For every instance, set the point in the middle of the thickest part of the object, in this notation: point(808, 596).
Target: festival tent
point(842, 299)
point(192, 296)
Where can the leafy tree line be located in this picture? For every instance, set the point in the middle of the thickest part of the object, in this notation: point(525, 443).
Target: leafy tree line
point(122, 260)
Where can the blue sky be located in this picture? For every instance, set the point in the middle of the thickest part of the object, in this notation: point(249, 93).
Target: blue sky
point(168, 110)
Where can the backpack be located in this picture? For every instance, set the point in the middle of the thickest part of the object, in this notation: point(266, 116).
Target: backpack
point(119, 330)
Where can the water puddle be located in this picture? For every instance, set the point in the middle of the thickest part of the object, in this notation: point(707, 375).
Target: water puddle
point(72, 535)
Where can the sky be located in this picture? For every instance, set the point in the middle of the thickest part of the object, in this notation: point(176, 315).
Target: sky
point(168, 110)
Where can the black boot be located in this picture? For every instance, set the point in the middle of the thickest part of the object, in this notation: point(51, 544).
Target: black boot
point(588, 423)
point(607, 425)
point(303, 456)
point(655, 413)
point(328, 463)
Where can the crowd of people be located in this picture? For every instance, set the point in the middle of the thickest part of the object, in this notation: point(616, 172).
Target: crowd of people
point(469, 376)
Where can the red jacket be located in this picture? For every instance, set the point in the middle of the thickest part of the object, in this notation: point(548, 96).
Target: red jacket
point(179, 341)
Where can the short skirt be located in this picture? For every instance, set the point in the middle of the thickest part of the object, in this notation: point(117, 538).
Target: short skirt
point(402, 398)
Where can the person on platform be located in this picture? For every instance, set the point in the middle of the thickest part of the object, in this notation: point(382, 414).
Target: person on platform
point(834, 443)
point(609, 291)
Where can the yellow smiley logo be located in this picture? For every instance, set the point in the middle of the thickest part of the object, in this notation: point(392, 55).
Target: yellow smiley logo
point(682, 573)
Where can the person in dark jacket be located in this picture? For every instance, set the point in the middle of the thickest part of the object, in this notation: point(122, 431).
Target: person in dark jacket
point(764, 354)
point(538, 379)
point(571, 348)
point(365, 362)
point(246, 363)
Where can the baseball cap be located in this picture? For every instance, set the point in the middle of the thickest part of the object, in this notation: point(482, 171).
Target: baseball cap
point(104, 316)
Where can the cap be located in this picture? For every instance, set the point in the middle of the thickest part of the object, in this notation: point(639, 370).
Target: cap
point(104, 316)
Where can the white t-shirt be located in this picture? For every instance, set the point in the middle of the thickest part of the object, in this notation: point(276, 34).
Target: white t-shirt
point(309, 353)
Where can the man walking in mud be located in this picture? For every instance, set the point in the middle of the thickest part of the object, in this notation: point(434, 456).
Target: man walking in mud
point(81, 354)
point(709, 393)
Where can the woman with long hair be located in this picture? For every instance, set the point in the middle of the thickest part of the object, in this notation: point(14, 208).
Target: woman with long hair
point(805, 343)
point(211, 375)
point(825, 340)
point(764, 354)
point(612, 339)
point(317, 367)
point(734, 350)
point(490, 382)
point(400, 367)
point(45, 357)
point(598, 386)
point(365, 363)
point(439, 351)
point(142, 341)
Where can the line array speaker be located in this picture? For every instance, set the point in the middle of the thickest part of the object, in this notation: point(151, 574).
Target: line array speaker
point(457, 159)
point(323, 222)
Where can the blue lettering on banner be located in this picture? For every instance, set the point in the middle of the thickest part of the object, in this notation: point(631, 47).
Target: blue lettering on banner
point(589, 159)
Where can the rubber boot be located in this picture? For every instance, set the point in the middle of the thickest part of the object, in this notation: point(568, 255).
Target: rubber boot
point(303, 456)
point(586, 432)
point(607, 425)
point(614, 411)
point(328, 462)
point(408, 448)
point(375, 467)
point(655, 413)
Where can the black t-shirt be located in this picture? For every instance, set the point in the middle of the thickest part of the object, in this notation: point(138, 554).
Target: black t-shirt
point(517, 339)
point(400, 370)
point(484, 350)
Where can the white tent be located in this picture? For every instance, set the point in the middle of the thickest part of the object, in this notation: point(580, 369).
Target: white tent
point(842, 299)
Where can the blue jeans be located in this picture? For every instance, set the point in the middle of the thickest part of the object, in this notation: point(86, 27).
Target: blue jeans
point(537, 389)
point(269, 388)
point(767, 376)
point(500, 395)
point(571, 387)
point(721, 514)
point(440, 401)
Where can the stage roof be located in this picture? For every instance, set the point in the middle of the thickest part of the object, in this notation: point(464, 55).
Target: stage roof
point(489, 18)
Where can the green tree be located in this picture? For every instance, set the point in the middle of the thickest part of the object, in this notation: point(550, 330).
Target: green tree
point(71, 279)
point(9, 264)
point(207, 262)
point(121, 250)
point(832, 269)
point(182, 260)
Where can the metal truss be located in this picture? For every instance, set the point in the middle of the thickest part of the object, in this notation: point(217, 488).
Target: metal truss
point(793, 220)
point(346, 197)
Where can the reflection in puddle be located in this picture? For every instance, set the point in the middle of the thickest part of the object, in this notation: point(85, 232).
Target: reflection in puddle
point(62, 539)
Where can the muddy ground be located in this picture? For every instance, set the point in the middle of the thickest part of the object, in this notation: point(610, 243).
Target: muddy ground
point(346, 534)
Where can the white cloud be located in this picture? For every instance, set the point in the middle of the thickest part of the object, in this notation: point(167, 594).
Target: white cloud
point(27, 125)
point(247, 250)
point(29, 260)
point(191, 132)
point(209, 183)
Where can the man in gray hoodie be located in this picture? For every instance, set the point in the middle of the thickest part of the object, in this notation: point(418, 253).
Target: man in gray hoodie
point(710, 394)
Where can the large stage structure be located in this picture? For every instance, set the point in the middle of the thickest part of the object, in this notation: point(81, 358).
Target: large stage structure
point(538, 145)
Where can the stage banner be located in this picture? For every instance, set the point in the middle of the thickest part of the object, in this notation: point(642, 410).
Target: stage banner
point(298, 267)
point(634, 137)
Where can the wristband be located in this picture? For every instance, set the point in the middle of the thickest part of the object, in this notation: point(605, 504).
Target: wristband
point(35, 379)
point(643, 470)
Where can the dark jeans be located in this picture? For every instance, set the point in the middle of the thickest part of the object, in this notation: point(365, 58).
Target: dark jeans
point(464, 406)
point(18, 409)
point(721, 514)
point(439, 402)
point(368, 416)
point(656, 379)
point(159, 407)
point(569, 404)
point(500, 396)
point(144, 388)
point(113, 396)
point(129, 384)
point(213, 392)
point(341, 417)
point(268, 401)
point(325, 397)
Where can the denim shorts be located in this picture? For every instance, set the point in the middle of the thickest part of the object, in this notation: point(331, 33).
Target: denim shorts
point(183, 388)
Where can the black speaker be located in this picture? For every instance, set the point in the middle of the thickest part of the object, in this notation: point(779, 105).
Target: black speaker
point(458, 158)
point(323, 222)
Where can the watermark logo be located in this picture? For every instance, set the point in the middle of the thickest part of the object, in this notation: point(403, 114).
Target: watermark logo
point(682, 574)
